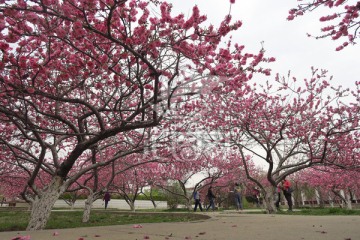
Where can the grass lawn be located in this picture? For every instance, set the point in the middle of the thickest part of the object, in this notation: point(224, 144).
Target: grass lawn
point(313, 211)
point(16, 220)
point(323, 211)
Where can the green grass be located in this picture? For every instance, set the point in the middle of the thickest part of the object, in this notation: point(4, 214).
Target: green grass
point(322, 211)
point(16, 220)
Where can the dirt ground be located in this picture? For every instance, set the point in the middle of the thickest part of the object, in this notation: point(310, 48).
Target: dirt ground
point(221, 226)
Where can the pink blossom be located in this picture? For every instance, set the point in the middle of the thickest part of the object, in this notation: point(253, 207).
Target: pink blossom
point(272, 59)
point(232, 1)
point(4, 46)
point(292, 11)
point(328, 28)
point(339, 48)
point(31, 90)
point(99, 85)
point(339, 2)
point(290, 17)
point(21, 238)
point(267, 72)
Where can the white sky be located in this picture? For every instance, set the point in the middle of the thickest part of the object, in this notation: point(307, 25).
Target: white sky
point(265, 20)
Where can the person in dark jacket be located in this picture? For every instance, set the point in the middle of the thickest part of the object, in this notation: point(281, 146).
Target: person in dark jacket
point(211, 198)
point(197, 200)
point(107, 198)
point(278, 197)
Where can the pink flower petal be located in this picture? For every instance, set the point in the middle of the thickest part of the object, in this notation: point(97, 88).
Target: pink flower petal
point(21, 238)
point(137, 226)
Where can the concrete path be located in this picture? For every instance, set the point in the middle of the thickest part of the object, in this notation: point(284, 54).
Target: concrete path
point(221, 226)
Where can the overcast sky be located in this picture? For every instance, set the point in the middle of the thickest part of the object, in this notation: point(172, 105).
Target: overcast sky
point(265, 20)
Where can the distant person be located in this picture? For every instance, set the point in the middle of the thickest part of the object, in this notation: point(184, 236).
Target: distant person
point(238, 196)
point(3, 201)
point(278, 197)
point(107, 198)
point(197, 200)
point(211, 198)
point(287, 190)
point(256, 196)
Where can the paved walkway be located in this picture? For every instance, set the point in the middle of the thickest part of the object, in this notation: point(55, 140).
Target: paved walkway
point(221, 226)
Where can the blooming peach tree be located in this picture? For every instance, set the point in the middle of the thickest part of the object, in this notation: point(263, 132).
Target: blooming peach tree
point(342, 18)
point(332, 183)
point(286, 127)
point(77, 75)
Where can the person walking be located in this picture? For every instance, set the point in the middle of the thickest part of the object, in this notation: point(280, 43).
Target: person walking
point(106, 198)
point(197, 200)
point(211, 198)
point(278, 197)
point(287, 190)
point(256, 196)
point(238, 196)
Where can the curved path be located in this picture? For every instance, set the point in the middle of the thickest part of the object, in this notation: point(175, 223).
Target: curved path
point(221, 226)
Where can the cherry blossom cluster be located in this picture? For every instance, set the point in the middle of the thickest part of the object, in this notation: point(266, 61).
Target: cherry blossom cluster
point(342, 23)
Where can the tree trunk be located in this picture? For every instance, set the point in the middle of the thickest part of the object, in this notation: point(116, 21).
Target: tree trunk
point(341, 195)
point(331, 202)
point(132, 205)
point(269, 202)
point(321, 198)
point(154, 203)
point(43, 204)
point(188, 204)
point(152, 199)
point(130, 202)
point(87, 209)
point(348, 201)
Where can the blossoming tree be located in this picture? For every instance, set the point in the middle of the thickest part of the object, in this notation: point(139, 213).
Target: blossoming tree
point(288, 127)
point(75, 75)
point(332, 183)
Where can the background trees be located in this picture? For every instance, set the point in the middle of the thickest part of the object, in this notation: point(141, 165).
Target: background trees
point(287, 127)
point(332, 184)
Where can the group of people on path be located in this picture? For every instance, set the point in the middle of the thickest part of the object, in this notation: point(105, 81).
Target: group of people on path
point(284, 187)
point(211, 197)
